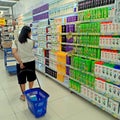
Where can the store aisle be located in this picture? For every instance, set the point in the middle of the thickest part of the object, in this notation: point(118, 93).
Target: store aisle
point(62, 105)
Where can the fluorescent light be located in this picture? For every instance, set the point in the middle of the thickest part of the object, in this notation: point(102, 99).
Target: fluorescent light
point(1, 12)
point(8, 1)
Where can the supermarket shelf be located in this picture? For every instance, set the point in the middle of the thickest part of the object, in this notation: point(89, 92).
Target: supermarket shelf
point(90, 46)
point(40, 71)
point(9, 25)
point(57, 81)
point(56, 61)
point(51, 68)
point(102, 47)
point(39, 55)
point(47, 48)
point(110, 48)
point(40, 62)
point(61, 73)
point(108, 80)
point(80, 70)
point(58, 16)
point(51, 59)
point(104, 94)
point(91, 101)
point(87, 57)
point(35, 35)
point(81, 83)
point(92, 34)
point(44, 26)
point(8, 39)
point(110, 5)
point(44, 34)
point(68, 23)
point(70, 66)
point(72, 44)
point(113, 98)
point(96, 20)
point(112, 62)
point(69, 3)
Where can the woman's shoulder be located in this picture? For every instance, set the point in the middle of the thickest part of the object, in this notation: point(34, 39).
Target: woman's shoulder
point(30, 40)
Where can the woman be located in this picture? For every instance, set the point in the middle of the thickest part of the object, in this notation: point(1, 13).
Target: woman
point(22, 51)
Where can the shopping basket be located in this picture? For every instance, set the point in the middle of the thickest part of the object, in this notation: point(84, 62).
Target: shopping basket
point(36, 99)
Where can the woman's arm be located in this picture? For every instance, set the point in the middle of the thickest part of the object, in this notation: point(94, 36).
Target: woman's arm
point(15, 54)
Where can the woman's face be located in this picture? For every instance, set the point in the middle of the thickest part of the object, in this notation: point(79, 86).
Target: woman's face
point(30, 34)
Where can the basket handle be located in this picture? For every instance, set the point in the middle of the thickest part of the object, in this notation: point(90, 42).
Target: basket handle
point(29, 70)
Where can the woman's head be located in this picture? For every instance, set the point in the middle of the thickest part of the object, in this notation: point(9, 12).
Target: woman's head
point(25, 34)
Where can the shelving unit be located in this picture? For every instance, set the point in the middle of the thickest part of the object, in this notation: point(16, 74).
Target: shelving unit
point(83, 51)
point(39, 28)
point(9, 61)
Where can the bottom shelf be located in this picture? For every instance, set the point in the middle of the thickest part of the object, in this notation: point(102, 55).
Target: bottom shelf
point(11, 69)
point(103, 108)
point(63, 84)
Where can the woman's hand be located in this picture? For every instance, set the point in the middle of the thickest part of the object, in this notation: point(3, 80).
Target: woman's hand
point(22, 66)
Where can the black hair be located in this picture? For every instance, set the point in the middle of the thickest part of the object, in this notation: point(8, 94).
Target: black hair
point(24, 34)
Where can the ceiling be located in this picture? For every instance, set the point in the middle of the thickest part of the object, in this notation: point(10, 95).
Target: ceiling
point(6, 4)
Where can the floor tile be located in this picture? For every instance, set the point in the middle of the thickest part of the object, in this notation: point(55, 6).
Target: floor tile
point(5, 108)
point(8, 117)
point(91, 115)
point(68, 106)
point(27, 115)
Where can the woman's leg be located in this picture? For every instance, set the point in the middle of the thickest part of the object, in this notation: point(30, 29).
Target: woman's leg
point(31, 84)
point(21, 81)
point(22, 87)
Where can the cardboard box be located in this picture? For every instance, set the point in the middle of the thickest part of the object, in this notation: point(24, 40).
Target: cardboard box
point(95, 97)
point(91, 95)
point(104, 102)
point(99, 100)
point(113, 106)
point(109, 89)
point(100, 85)
point(84, 91)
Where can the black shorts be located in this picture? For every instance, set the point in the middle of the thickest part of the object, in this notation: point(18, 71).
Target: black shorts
point(27, 75)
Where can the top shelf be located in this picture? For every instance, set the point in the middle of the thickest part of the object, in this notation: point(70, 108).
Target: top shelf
point(61, 5)
point(110, 5)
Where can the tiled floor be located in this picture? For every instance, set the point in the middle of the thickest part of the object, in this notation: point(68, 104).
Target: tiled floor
point(62, 105)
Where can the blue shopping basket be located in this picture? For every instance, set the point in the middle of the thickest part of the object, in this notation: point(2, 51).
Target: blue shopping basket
point(36, 100)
